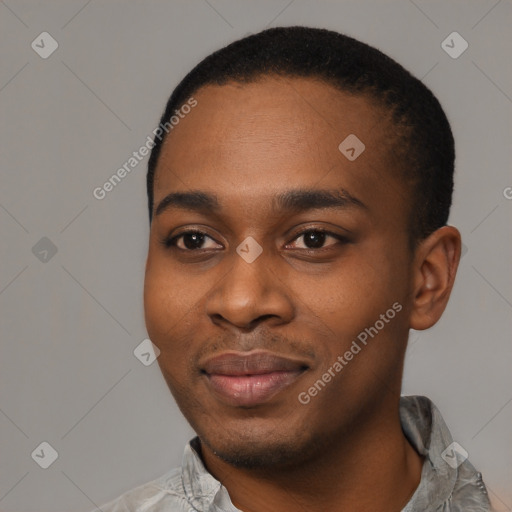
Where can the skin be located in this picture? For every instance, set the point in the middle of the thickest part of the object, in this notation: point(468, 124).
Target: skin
point(246, 144)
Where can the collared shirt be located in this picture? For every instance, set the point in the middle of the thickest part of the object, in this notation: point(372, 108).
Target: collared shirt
point(449, 483)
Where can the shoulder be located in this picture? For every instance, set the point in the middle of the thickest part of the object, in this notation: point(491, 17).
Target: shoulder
point(470, 493)
point(165, 493)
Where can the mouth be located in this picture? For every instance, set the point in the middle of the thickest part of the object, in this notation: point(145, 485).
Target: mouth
point(250, 379)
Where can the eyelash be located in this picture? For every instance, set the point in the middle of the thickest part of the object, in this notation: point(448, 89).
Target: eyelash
point(170, 242)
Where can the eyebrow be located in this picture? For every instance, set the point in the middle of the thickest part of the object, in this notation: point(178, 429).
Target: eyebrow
point(289, 201)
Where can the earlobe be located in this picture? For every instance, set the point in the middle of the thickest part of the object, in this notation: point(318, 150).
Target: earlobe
point(436, 261)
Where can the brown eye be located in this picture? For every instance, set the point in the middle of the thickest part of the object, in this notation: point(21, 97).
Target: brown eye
point(190, 241)
point(316, 238)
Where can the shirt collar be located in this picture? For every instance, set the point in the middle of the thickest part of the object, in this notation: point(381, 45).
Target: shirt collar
point(202, 490)
point(427, 432)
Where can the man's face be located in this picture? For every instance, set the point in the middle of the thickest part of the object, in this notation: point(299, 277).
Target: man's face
point(244, 335)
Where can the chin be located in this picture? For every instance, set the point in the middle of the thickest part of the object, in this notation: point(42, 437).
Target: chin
point(264, 449)
point(255, 455)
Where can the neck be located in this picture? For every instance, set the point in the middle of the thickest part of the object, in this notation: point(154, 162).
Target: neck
point(374, 467)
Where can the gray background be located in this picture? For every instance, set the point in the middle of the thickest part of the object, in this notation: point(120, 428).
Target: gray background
point(69, 325)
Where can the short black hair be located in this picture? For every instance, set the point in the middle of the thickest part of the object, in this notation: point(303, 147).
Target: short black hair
point(426, 151)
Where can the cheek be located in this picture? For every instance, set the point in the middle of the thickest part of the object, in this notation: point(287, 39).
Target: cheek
point(156, 303)
point(355, 295)
point(164, 300)
point(172, 305)
point(353, 289)
point(167, 326)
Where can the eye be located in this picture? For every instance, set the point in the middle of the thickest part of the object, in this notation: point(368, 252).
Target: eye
point(316, 238)
point(195, 240)
point(192, 240)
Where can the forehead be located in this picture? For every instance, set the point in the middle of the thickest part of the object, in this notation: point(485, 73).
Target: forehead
point(275, 133)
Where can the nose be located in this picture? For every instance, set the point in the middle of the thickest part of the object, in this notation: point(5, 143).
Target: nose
point(249, 294)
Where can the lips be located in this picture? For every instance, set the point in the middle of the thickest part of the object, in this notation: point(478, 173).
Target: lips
point(250, 379)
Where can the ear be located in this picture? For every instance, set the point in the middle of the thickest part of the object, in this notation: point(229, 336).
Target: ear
point(435, 265)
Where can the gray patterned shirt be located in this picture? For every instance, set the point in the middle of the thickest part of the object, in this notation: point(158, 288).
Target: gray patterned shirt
point(449, 483)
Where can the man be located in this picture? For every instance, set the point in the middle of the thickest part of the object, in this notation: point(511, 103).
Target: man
point(298, 210)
